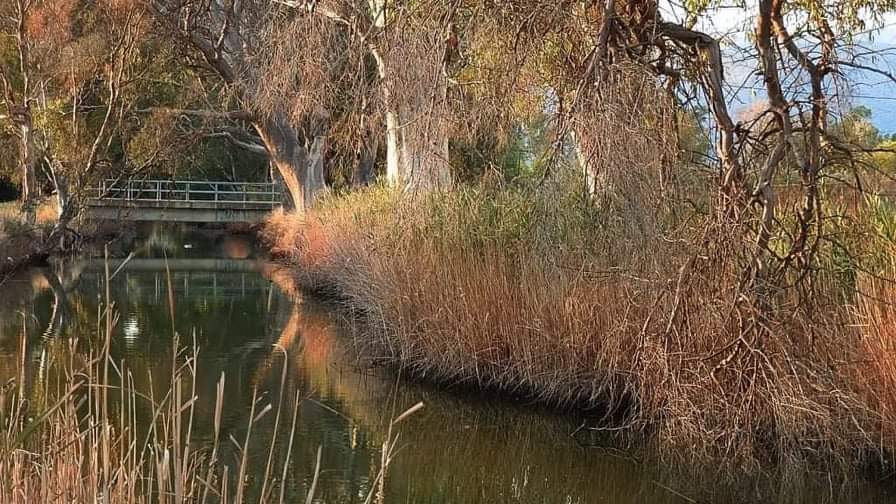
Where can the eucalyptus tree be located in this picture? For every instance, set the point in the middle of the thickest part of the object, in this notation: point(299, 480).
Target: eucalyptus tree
point(405, 44)
point(231, 40)
point(66, 92)
point(801, 55)
point(19, 94)
point(610, 67)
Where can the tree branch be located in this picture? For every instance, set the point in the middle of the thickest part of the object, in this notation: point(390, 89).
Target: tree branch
point(249, 146)
point(866, 68)
point(708, 49)
point(235, 115)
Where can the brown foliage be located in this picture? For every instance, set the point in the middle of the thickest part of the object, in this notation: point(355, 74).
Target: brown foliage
point(51, 21)
point(642, 329)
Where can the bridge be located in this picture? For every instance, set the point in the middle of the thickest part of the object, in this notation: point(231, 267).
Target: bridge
point(183, 200)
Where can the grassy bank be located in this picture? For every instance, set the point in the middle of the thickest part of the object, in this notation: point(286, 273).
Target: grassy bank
point(20, 244)
point(23, 245)
point(537, 291)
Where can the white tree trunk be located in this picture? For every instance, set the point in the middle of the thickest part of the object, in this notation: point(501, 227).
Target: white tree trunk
point(28, 167)
point(416, 147)
point(597, 182)
point(393, 148)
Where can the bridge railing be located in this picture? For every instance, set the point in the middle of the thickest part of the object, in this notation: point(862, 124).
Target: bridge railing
point(205, 191)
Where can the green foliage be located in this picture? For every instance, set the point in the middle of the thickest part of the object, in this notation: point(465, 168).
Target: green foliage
point(882, 217)
point(521, 153)
point(693, 140)
point(884, 157)
point(216, 158)
point(552, 219)
point(859, 238)
point(856, 128)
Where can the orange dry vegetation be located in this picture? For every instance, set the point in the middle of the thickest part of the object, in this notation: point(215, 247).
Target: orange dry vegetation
point(51, 20)
point(876, 373)
point(454, 289)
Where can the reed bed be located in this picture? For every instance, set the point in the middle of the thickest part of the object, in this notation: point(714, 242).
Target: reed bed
point(89, 434)
point(88, 440)
point(11, 214)
point(534, 293)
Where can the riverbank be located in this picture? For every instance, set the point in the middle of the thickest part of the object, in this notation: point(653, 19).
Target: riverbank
point(23, 246)
point(533, 292)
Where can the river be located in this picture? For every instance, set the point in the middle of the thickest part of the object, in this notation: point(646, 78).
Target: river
point(242, 319)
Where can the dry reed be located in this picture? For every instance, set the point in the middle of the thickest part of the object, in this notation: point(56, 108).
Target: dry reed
point(536, 295)
point(84, 436)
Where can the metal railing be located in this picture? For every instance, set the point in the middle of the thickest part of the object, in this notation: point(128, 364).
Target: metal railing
point(199, 191)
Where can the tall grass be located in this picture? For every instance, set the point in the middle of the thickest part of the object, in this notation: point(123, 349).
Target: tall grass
point(11, 215)
point(89, 434)
point(88, 441)
point(537, 292)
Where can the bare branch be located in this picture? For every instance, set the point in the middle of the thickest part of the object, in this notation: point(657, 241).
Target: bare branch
point(249, 146)
point(237, 115)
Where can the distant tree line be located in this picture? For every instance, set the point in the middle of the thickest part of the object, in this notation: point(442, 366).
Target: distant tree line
point(330, 94)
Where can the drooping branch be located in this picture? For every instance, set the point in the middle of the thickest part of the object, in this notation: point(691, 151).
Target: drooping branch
point(764, 192)
point(810, 163)
point(603, 35)
point(858, 66)
point(710, 55)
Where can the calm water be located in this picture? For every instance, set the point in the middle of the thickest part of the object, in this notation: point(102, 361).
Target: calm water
point(233, 310)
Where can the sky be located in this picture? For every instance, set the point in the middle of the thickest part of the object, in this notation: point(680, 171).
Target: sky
point(732, 26)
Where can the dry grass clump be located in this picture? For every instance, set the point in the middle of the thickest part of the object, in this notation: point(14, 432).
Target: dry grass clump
point(11, 215)
point(84, 432)
point(19, 243)
point(876, 368)
point(85, 440)
point(533, 292)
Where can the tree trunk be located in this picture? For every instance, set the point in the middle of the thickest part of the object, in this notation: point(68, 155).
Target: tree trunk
point(394, 141)
point(63, 191)
point(393, 144)
point(426, 156)
point(416, 146)
point(366, 160)
point(314, 180)
point(28, 166)
point(62, 237)
point(300, 170)
point(597, 182)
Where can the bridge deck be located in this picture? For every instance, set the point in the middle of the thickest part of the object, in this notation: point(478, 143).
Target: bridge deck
point(183, 200)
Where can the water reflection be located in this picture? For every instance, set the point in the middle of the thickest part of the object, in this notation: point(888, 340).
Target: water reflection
point(456, 450)
point(248, 323)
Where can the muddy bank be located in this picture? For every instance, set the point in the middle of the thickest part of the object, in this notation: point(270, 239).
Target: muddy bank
point(23, 248)
point(36, 246)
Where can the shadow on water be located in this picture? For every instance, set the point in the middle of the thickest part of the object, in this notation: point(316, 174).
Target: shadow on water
point(246, 321)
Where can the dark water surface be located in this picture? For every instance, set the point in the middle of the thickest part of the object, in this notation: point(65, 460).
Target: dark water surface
point(233, 310)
